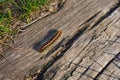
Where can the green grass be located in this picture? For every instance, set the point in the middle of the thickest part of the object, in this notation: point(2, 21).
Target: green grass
point(23, 7)
point(28, 6)
point(4, 24)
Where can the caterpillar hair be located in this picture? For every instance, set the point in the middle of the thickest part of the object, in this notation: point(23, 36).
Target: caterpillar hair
point(51, 41)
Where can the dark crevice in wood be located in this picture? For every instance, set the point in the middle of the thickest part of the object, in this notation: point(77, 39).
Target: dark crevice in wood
point(67, 75)
point(76, 36)
point(87, 22)
point(61, 5)
point(112, 9)
point(51, 72)
point(114, 76)
point(91, 18)
point(70, 73)
point(113, 41)
point(104, 68)
point(73, 15)
point(77, 65)
point(53, 75)
point(117, 60)
point(66, 47)
point(117, 65)
point(84, 73)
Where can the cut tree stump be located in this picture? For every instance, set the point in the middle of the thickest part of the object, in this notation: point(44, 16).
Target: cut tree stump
point(89, 48)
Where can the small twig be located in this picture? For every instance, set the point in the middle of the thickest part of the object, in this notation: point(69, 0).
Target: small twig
point(1, 42)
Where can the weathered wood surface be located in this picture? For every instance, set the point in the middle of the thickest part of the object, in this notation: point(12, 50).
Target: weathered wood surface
point(89, 49)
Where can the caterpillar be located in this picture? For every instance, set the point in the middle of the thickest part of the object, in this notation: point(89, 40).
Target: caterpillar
point(51, 41)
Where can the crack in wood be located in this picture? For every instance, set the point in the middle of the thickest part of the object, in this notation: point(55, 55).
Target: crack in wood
point(74, 10)
point(84, 73)
point(94, 37)
point(53, 75)
point(91, 18)
point(114, 76)
point(67, 75)
point(70, 72)
point(107, 14)
point(105, 67)
point(67, 45)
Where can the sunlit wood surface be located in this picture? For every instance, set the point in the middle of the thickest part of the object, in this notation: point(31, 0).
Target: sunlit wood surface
point(89, 47)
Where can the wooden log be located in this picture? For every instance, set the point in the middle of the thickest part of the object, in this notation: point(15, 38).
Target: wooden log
point(90, 29)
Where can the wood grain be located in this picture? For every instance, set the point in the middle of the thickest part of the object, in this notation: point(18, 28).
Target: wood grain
point(87, 51)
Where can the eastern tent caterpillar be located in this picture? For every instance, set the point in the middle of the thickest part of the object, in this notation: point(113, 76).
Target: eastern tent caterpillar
point(52, 40)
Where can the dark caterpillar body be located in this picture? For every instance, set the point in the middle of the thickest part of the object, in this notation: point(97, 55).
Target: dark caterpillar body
point(52, 40)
